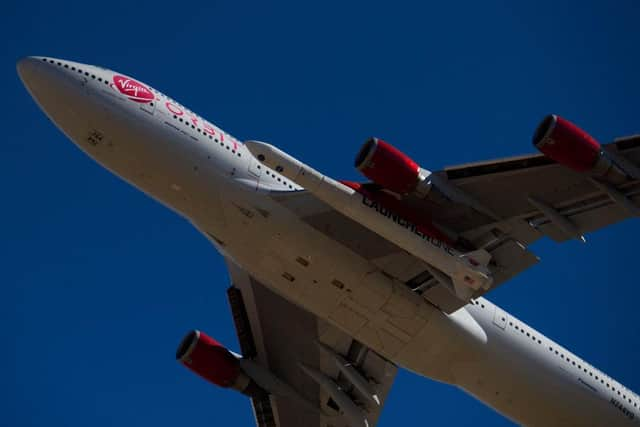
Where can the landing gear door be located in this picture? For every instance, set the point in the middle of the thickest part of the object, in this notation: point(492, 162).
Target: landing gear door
point(500, 318)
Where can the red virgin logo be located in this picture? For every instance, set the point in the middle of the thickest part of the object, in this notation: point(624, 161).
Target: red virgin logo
point(134, 90)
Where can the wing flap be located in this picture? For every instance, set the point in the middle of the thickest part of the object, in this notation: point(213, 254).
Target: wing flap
point(596, 210)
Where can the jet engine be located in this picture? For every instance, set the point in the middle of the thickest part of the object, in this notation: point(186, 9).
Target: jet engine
point(212, 361)
point(570, 146)
point(387, 166)
point(393, 170)
point(567, 144)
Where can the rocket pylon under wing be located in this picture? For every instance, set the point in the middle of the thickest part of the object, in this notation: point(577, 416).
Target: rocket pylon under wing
point(468, 271)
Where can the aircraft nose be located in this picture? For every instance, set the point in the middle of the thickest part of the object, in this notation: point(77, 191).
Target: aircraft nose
point(47, 83)
point(31, 72)
point(58, 88)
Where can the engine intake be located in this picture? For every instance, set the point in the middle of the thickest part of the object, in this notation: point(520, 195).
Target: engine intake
point(212, 361)
point(387, 166)
point(567, 144)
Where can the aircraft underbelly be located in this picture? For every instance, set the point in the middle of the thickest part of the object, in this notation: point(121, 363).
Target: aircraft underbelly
point(466, 348)
point(317, 273)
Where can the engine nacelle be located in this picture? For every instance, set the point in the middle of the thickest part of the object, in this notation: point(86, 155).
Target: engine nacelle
point(393, 170)
point(212, 361)
point(387, 166)
point(567, 144)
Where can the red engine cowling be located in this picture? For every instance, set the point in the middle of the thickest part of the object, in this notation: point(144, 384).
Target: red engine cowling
point(567, 144)
point(213, 362)
point(209, 359)
point(387, 166)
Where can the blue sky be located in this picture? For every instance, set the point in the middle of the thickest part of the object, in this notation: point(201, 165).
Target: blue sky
point(100, 282)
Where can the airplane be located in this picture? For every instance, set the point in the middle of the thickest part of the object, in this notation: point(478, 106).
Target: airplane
point(335, 285)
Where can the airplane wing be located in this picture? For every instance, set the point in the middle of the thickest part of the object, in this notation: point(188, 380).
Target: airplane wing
point(338, 381)
point(502, 207)
point(520, 191)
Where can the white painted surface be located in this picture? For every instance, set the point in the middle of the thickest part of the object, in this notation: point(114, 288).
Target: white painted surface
point(213, 182)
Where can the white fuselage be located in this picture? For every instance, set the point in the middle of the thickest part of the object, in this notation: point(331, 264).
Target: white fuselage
point(211, 179)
